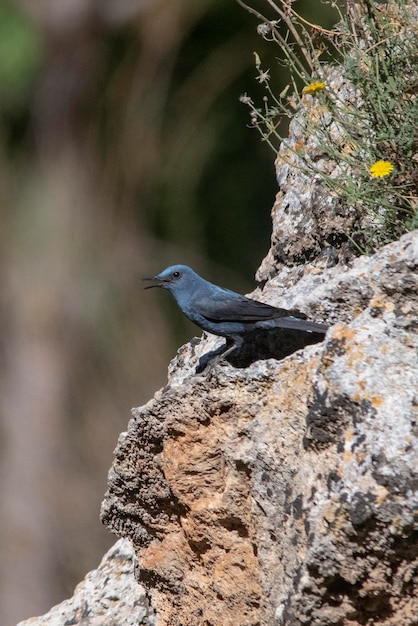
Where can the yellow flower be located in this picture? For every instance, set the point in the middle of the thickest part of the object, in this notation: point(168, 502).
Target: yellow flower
point(380, 169)
point(313, 88)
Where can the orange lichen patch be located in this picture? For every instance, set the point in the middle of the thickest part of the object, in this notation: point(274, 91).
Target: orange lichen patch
point(327, 360)
point(354, 350)
point(299, 145)
point(363, 394)
point(376, 401)
point(343, 333)
point(380, 301)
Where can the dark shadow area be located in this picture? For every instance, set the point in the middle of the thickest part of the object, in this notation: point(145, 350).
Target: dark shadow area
point(259, 345)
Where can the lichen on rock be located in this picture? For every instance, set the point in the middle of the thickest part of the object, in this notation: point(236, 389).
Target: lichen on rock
point(286, 492)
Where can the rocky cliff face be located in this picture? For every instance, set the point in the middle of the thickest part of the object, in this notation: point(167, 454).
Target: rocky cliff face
point(286, 492)
point(282, 487)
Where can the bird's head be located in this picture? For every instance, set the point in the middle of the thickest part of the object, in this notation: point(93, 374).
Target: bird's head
point(174, 278)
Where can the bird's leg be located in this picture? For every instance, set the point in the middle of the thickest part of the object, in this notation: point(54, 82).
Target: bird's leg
point(231, 344)
point(212, 358)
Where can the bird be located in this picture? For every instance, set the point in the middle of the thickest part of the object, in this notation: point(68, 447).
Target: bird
point(224, 312)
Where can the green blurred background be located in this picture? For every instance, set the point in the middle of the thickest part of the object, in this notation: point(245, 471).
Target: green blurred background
point(123, 149)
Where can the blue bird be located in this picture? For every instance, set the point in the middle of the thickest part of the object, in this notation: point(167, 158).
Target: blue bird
point(226, 313)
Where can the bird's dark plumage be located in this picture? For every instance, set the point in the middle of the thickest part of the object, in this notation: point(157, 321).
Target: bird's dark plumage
point(224, 312)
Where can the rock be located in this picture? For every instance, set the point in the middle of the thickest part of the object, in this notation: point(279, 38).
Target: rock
point(286, 492)
point(107, 596)
point(311, 225)
point(279, 492)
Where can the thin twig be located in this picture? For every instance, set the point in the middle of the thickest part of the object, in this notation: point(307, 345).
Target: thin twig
point(379, 43)
point(279, 37)
point(293, 30)
point(322, 30)
point(253, 11)
point(292, 57)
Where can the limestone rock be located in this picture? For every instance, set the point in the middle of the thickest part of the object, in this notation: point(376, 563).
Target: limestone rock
point(312, 225)
point(286, 491)
point(108, 596)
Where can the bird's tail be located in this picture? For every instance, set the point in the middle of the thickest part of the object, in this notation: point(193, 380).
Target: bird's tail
point(295, 323)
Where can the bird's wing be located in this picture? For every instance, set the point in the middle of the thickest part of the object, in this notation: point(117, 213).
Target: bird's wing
point(231, 307)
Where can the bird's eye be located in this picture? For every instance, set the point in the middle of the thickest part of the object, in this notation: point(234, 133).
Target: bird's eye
point(176, 274)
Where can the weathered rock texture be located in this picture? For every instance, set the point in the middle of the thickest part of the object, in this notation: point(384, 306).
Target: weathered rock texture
point(286, 492)
point(311, 223)
point(108, 596)
point(282, 488)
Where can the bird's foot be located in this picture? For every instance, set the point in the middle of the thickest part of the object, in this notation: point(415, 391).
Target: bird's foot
point(208, 362)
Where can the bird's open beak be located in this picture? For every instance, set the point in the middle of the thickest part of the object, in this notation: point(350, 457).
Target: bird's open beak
point(159, 282)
